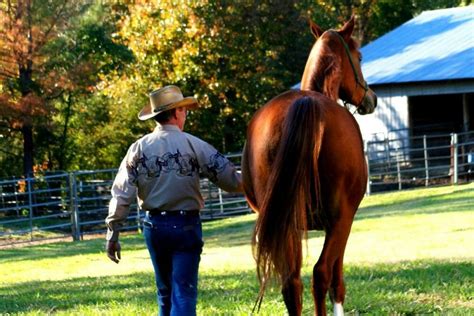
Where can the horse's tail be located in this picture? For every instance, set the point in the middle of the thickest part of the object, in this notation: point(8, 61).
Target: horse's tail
point(292, 190)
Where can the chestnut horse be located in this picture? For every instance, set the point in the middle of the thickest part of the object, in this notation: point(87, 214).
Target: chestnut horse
point(304, 168)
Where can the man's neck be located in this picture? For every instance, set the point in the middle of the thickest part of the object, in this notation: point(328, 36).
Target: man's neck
point(173, 122)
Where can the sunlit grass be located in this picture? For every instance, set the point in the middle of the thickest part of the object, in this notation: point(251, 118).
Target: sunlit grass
point(409, 252)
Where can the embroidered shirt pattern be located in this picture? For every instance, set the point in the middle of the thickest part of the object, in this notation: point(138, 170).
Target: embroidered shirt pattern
point(183, 165)
point(216, 165)
point(153, 166)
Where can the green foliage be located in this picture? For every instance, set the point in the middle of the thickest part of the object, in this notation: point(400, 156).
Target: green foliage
point(10, 153)
point(95, 68)
point(27, 28)
point(77, 58)
point(233, 57)
point(388, 14)
point(233, 65)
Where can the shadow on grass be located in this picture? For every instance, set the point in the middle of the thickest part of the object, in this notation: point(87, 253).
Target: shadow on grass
point(236, 231)
point(232, 232)
point(402, 288)
point(65, 249)
point(48, 296)
point(458, 201)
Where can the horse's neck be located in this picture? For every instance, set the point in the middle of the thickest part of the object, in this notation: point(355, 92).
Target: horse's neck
point(321, 73)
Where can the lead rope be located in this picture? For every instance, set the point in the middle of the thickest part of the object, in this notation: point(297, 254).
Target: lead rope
point(346, 105)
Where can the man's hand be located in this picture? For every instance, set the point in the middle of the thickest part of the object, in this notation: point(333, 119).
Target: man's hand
point(113, 250)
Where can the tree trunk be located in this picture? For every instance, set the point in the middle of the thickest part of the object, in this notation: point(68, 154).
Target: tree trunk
point(26, 81)
point(63, 147)
point(27, 132)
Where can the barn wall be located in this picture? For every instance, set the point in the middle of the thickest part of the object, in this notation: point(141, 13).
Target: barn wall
point(390, 119)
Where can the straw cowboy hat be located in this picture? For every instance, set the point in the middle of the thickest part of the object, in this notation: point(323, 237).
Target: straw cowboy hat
point(165, 99)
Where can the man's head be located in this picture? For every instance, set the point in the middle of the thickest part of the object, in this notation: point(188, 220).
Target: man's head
point(176, 116)
point(167, 99)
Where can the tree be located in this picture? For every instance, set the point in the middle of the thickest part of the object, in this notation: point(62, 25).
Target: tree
point(232, 56)
point(374, 17)
point(74, 74)
point(52, 54)
point(27, 26)
point(87, 52)
point(377, 17)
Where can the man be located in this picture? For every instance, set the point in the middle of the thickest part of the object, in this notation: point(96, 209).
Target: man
point(163, 170)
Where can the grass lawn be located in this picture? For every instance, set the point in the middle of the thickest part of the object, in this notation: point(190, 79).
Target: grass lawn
point(409, 253)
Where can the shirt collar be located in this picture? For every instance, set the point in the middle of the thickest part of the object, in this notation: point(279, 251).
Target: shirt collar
point(167, 127)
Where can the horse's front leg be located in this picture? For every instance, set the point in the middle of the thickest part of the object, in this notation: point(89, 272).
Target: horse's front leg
point(292, 288)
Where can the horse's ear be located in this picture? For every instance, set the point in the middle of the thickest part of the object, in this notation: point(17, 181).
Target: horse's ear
point(315, 29)
point(348, 28)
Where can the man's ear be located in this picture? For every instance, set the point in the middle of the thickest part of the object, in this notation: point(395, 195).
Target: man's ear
point(175, 113)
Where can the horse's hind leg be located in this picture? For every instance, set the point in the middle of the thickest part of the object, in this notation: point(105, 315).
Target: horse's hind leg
point(292, 288)
point(327, 272)
point(292, 295)
point(337, 291)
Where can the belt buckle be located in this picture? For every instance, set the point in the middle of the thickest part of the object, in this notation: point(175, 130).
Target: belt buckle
point(181, 212)
point(163, 213)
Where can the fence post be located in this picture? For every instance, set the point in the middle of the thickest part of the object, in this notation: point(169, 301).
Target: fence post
point(30, 205)
point(75, 228)
point(221, 201)
point(17, 203)
point(209, 190)
point(425, 153)
point(455, 157)
point(399, 174)
point(387, 150)
point(366, 145)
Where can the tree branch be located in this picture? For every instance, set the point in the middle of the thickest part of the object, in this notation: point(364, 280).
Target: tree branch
point(9, 152)
point(55, 96)
point(7, 74)
point(54, 20)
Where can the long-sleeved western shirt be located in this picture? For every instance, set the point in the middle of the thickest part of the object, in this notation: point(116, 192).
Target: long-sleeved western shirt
point(162, 170)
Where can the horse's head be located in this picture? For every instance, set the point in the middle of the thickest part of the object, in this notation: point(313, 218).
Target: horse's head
point(333, 68)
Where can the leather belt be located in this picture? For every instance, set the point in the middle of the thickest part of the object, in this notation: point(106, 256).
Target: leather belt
point(156, 212)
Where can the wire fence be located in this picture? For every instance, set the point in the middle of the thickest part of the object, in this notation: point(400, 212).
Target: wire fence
point(75, 204)
point(402, 163)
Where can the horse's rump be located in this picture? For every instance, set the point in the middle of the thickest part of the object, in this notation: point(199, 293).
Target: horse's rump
point(289, 184)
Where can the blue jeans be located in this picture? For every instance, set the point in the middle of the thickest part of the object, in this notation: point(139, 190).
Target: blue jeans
point(175, 246)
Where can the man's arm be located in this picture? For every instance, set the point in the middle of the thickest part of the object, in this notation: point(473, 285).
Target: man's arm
point(123, 194)
point(220, 170)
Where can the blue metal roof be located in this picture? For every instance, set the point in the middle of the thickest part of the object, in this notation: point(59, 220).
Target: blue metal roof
point(436, 45)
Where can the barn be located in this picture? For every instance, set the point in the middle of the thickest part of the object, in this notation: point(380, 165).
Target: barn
point(422, 131)
point(423, 74)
